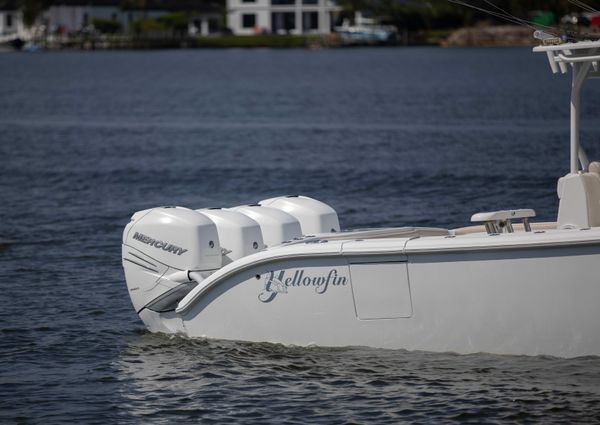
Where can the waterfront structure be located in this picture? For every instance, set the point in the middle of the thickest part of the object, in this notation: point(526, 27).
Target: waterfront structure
point(247, 17)
point(68, 16)
point(11, 21)
point(74, 15)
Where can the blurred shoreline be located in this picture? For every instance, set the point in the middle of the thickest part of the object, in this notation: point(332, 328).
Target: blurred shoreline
point(480, 36)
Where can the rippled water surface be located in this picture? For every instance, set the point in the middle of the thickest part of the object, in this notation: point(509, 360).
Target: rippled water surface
point(388, 137)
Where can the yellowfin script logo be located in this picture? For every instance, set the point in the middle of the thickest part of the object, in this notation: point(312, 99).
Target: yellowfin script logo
point(281, 281)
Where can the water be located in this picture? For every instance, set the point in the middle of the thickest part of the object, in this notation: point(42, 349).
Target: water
point(388, 137)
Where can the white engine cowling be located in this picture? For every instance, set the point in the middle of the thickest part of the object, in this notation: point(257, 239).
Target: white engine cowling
point(239, 234)
point(167, 250)
point(160, 246)
point(314, 216)
point(276, 226)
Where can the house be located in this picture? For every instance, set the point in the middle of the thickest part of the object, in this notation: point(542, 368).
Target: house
point(11, 21)
point(246, 17)
point(66, 16)
point(74, 15)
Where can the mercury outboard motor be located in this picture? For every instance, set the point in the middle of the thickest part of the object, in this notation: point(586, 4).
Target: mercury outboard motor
point(315, 217)
point(166, 252)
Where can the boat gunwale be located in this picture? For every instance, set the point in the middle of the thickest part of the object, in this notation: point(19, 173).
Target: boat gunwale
point(283, 253)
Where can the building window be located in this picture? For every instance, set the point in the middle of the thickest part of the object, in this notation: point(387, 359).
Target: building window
point(213, 25)
point(310, 21)
point(113, 16)
point(248, 20)
point(310, 1)
point(8, 20)
point(282, 2)
point(248, 1)
point(283, 22)
point(85, 19)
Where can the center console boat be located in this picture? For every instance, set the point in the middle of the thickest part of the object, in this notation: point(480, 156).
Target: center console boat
point(282, 271)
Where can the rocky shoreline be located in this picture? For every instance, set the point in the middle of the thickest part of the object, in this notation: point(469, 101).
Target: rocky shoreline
point(490, 36)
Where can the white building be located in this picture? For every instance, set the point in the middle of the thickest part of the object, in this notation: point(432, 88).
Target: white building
point(246, 17)
point(74, 15)
point(70, 16)
point(11, 22)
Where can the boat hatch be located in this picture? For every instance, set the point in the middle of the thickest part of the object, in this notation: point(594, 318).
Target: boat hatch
point(381, 290)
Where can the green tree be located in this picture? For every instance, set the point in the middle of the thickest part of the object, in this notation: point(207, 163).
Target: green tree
point(415, 15)
point(32, 9)
point(106, 26)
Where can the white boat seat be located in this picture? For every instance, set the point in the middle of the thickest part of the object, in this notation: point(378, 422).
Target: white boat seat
point(579, 195)
point(594, 167)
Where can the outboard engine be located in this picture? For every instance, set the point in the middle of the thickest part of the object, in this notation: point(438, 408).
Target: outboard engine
point(276, 226)
point(314, 216)
point(239, 234)
point(166, 251)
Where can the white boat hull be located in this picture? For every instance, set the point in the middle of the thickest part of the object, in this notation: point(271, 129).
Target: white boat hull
point(511, 301)
point(290, 277)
